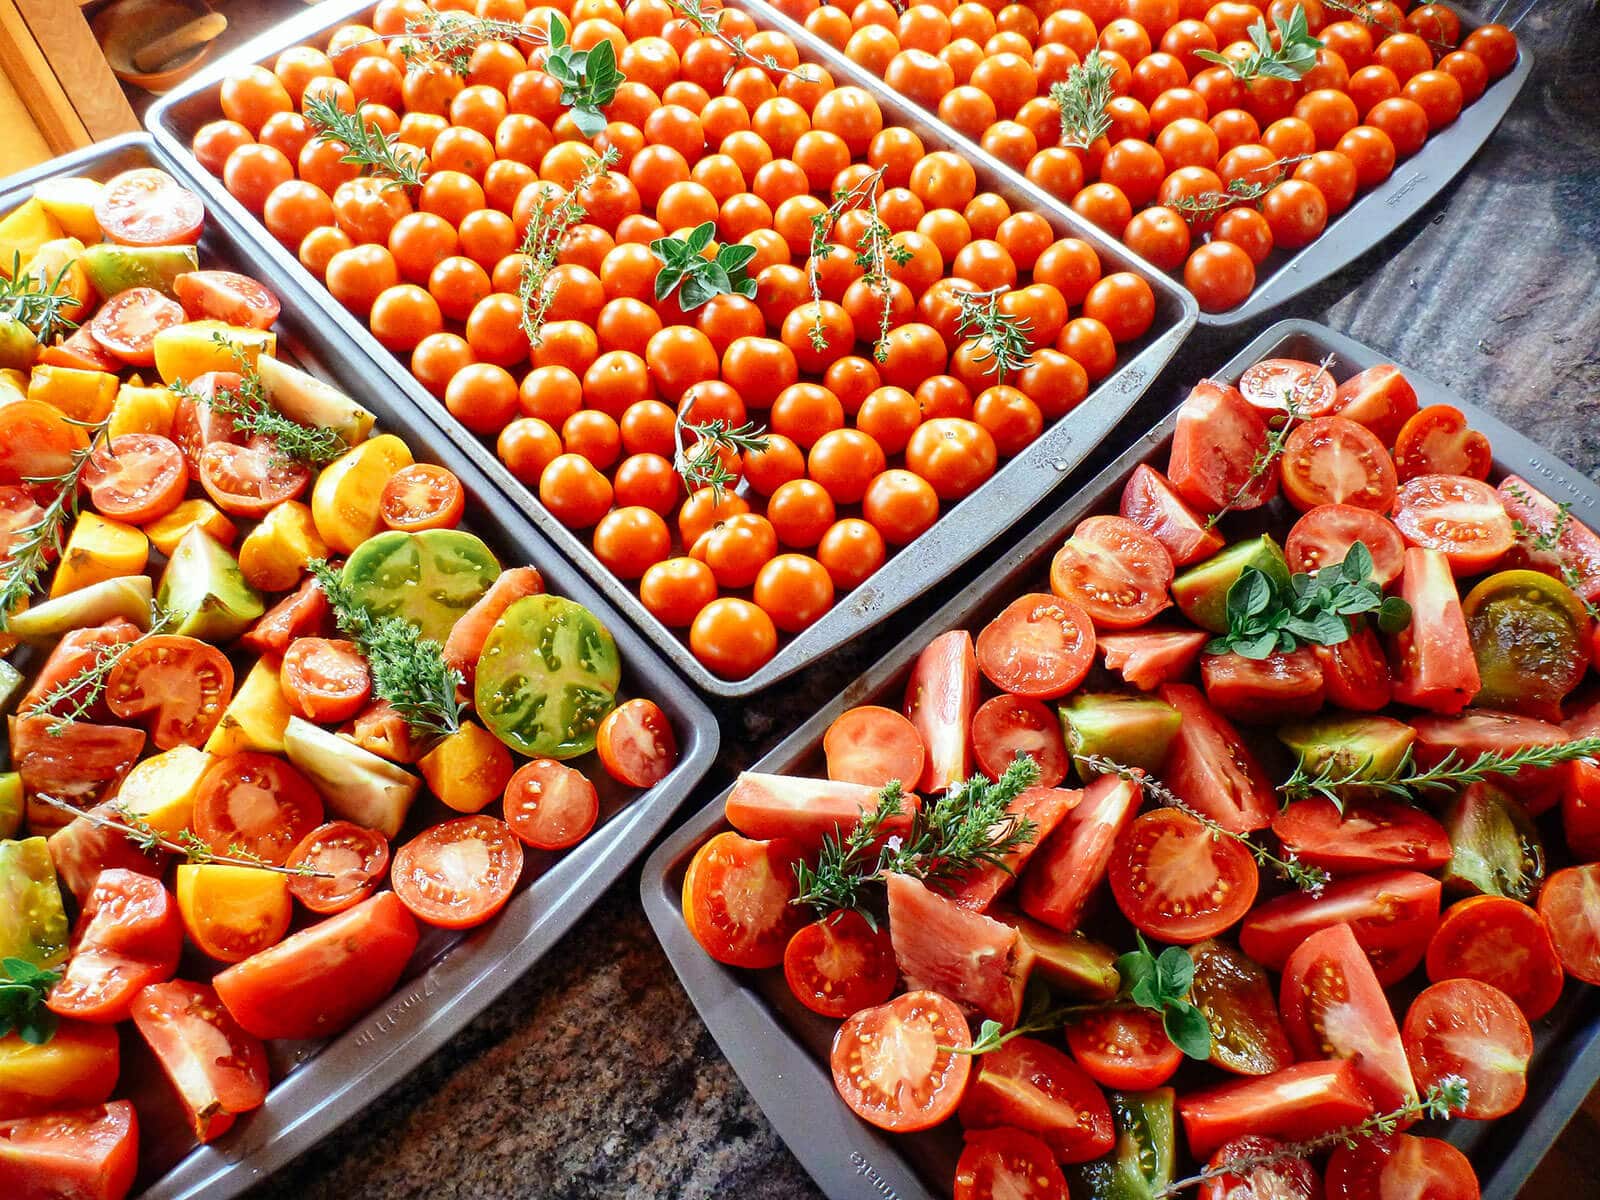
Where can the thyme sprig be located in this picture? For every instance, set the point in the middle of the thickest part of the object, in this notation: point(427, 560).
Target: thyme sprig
point(1001, 337)
point(83, 690)
point(452, 37)
point(1082, 98)
point(709, 22)
point(1442, 1101)
point(36, 302)
point(699, 448)
point(1238, 192)
point(250, 410)
point(1449, 774)
point(875, 250)
point(541, 243)
point(1311, 880)
point(1278, 430)
point(1295, 54)
point(1369, 16)
point(408, 670)
point(366, 145)
point(1548, 542)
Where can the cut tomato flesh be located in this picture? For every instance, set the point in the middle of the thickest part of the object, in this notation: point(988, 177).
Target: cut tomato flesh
point(807, 810)
point(980, 963)
point(1069, 866)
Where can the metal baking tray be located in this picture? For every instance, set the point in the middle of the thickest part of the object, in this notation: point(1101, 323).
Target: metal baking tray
point(1371, 218)
point(453, 976)
point(780, 1050)
point(961, 533)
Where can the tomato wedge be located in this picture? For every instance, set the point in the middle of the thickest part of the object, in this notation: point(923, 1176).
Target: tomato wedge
point(1007, 726)
point(198, 421)
point(226, 296)
point(1211, 768)
point(128, 935)
point(1214, 447)
point(1298, 1102)
point(355, 857)
point(1461, 518)
point(1381, 398)
point(1044, 808)
point(458, 873)
point(218, 1069)
point(1435, 668)
point(894, 1065)
point(1334, 1007)
point(636, 744)
point(1355, 672)
point(1273, 688)
point(148, 207)
point(78, 651)
point(736, 899)
point(1324, 535)
point(302, 613)
point(1275, 385)
point(1484, 730)
point(256, 801)
point(1570, 906)
point(1502, 942)
point(1391, 914)
point(1125, 1048)
point(1369, 835)
point(76, 762)
point(1436, 441)
point(1039, 646)
point(550, 805)
point(1069, 866)
point(250, 480)
point(127, 324)
point(840, 965)
point(180, 683)
point(1399, 1166)
point(1333, 460)
point(1475, 1032)
point(1152, 656)
point(422, 496)
point(1236, 997)
point(136, 477)
point(1176, 881)
point(1151, 502)
point(1007, 1162)
point(1032, 1086)
point(324, 679)
point(804, 810)
point(980, 963)
point(1576, 545)
point(77, 1066)
point(941, 696)
point(83, 1153)
point(1114, 571)
point(81, 352)
point(1276, 1175)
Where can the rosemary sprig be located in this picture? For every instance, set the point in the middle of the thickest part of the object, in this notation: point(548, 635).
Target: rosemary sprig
point(83, 690)
point(846, 865)
point(251, 411)
point(1002, 339)
point(1082, 98)
point(541, 244)
point(698, 457)
point(23, 990)
point(1441, 1102)
point(1295, 54)
point(1449, 774)
point(150, 839)
point(709, 23)
point(1278, 430)
point(35, 302)
point(408, 670)
point(874, 251)
point(1311, 880)
point(366, 145)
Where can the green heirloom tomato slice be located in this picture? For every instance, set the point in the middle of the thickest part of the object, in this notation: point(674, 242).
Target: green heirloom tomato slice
point(1527, 634)
point(1141, 1165)
point(430, 578)
point(547, 677)
point(33, 923)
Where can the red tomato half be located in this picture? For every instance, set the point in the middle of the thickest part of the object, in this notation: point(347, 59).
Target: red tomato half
point(1177, 881)
point(148, 207)
point(1391, 913)
point(1211, 768)
point(257, 801)
point(136, 477)
point(1400, 1166)
point(1115, 571)
point(736, 899)
point(1237, 999)
point(889, 1067)
point(1577, 547)
point(1214, 446)
point(82, 1154)
point(1334, 1007)
point(356, 858)
point(1485, 730)
point(1381, 398)
point(1333, 460)
point(1067, 869)
point(324, 679)
point(941, 696)
point(128, 935)
point(1324, 535)
point(1277, 385)
point(1274, 688)
point(1029, 1085)
point(1152, 656)
point(1503, 942)
point(423, 496)
point(77, 762)
point(1570, 906)
point(1355, 672)
point(218, 1069)
point(1369, 835)
point(226, 296)
point(1435, 667)
point(127, 324)
point(1282, 1177)
point(872, 745)
point(181, 685)
point(636, 744)
point(840, 965)
point(250, 480)
point(1298, 1102)
point(1461, 518)
point(302, 613)
point(1039, 646)
point(458, 873)
point(316, 982)
point(1124, 1048)
point(1007, 1162)
point(1151, 502)
point(1007, 726)
point(1475, 1032)
point(1436, 441)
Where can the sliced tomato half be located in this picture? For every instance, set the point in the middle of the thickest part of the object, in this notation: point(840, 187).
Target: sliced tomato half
point(1324, 535)
point(1150, 501)
point(180, 684)
point(895, 1065)
point(1124, 1048)
point(1278, 385)
point(1461, 518)
point(1503, 942)
point(1570, 906)
point(1177, 881)
point(1115, 571)
point(941, 696)
point(1006, 726)
point(1296, 1103)
point(1211, 768)
point(1214, 447)
point(1039, 646)
point(128, 935)
point(1436, 441)
point(1275, 1173)
point(1576, 545)
point(127, 324)
point(218, 1069)
point(1391, 914)
point(1473, 1031)
point(840, 965)
point(226, 296)
point(1027, 1084)
point(737, 899)
point(1007, 1162)
point(1381, 398)
point(1396, 1166)
point(872, 745)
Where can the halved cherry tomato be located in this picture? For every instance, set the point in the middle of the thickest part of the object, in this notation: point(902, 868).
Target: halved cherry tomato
point(736, 896)
point(1118, 573)
point(182, 683)
point(1039, 646)
point(1334, 1007)
point(636, 744)
point(1276, 385)
point(1391, 914)
point(1029, 1085)
point(84, 1153)
point(250, 480)
point(128, 935)
point(302, 613)
point(127, 324)
point(226, 296)
point(1576, 545)
point(316, 982)
point(840, 965)
point(1369, 835)
point(256, 801)
point(1570, 906)
point(1473, 1031)
point(1124, 1048)
point(1355, 672)
point(1436, 668)
point(873, 745)
point(1176, 881)
point(1381, 398)
point(941, 696)
point(1333, 460)
point(1390, 1166)
point(355, 857)
point(550, 805)
point(1436, 441)
point(199, 421)
point(136, 477)
point(889, 1065)
point(1007, 726)
point(1066, 870)
point(1007, 1162)
point(1461, 518)
point(1279, 686)
point(1214, 448)
point(1151, 502)
point(231, 912)
point(148, 207)
point(458, 873)
point(1324, 535)
point(1211, 768)
point(218, 1069)
point(324, 679)
point(1502, 942)
point(1302, 1101)
point(422, 496)
point(1236, 997)
point(1276, 1175)
point(36, 441)
point(1151, 657)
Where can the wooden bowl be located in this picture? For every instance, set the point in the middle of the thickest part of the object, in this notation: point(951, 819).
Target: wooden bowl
point(129, 26)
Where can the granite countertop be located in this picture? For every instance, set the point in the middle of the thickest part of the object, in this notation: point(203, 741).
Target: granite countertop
point(592, 1075)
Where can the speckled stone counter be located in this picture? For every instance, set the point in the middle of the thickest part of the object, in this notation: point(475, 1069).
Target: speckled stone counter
point(592, 1076)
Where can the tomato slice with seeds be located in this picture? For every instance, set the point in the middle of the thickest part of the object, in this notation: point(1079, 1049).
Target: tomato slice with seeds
point(1214, 447)
point(81, 352)
point(872, 745)
point(1400, 1166)
point(258, 802)
point(1333, 1007)
point(1151, 502)
point(198, 420)
point(1570, 906)
point(895, 1065)
point(1324, 535)
point(1006, 726)
point(1472, 1031)
point(127, 324)
point(736, 899)
point(1369, 835)
point(128, 935)
point(19, 511)
point(840, 965)
point(250, 480)
point(137, 477)
point(1007, 1162)
point(1355, 672)
point(148, 207)
point(1276, 1174)
point(1212, 769)
point(354, 856)
point(458, 873)
point(217, 1068)
point(1461, 518)
point(1332, 460)
point(325, 679)
point(1502, 942)
point(84, 1153)
point(1276, 385)
point(1435, 668)
point(1306, 1100)
point(422, 496)
point(182, 683)
point(550, 805)
point(1029, 1085)
point(1391, 914)
point(1478, 731)
point(226, 296)
point(1176, 881)
point(1039, 646)
point(1125, 1048)
point(1381, 398)
point(1576, 545)
point(1118, 573)
point(1236, 997)
point(636, 744)
point(1436, 441)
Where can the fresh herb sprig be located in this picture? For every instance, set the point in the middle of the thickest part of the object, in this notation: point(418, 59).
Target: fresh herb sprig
point(452, 37)
point(1371, 16)
point(23, 991)
point(1278, 430)
point(556, 213)
point(1001, 337)
point(1295, 54)
point(875, 251)
point(697, 279)
point(1238, 192)
point(1081, 99)
point(36, 302)
point(74, 698)
point(708, 20)
point(1314, 610)
point(408, 670)
point(366, 145)
point(1449, 774)
point(1548, 541)
point(699, 449)
point(589, 78)
point(253, 413)
point(1443, 1100)
point(1311, 880)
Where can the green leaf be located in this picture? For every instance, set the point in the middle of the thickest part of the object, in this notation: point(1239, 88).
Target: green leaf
point(557, 33)
point(1394, 614)
point(1257, 647)
point(666, 279)
point(700, 236)
point(735, 256)
point(602, 61)
point(590, 121)
point(1147, 993)
point(1357, 564)
point(746, 288)
point(1323, 628)
point(1250, 594)
point(1176, 971)
point(1260, 35)
point(40, 1026)
point(695, 292)
point(1186, 1025)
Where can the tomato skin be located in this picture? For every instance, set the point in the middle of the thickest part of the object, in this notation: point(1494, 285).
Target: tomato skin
point(1217, 438)
point(1400, 1164)
point(318, 981)
point(182, 1022)
point(1436, 668)
point(1029, 1085)
point(1445, 1019)
point(941, 696)
point(429, 873)
point(80, 1154)
point(761, 875)
point(1212, 769)
point(636, 744)
point(1324, 535)
point(1150, 501)
point(863, 1050)
point(1124, 1048)
point(1264, 689)
point(1115, 570)
point(1039, 646)
point(1144, 888)
point(357, 858)
point(1006, 726)
point(128, 935)
point(1302, 1101)
point(1067, 869)
point(1391, 914)
point(1370, 835)
point(839, 965)
point(1237, 999)
point(1570, 906)
point(996, 1162)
